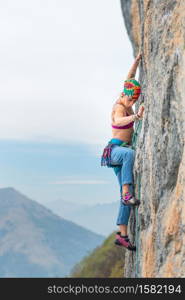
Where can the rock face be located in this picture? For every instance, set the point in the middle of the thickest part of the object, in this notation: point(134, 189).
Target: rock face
point(158, 28)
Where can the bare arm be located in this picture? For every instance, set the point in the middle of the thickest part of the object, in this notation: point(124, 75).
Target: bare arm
point(132, 71)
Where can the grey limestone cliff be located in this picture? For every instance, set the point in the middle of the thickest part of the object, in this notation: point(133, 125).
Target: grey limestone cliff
point(158, 28)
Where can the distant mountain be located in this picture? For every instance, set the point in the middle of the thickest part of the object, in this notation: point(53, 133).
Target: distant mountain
point(100, 218)
point(65, 208)
point(104, 262)
point(34, 242)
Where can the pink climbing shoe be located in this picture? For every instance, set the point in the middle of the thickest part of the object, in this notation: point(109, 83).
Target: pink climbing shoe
point(128, 199)
point(124, 241)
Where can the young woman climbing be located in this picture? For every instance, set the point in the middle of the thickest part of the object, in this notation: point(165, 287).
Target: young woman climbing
point(118, 153)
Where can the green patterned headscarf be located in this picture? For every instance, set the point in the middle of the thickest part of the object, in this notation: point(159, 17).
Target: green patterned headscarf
point(132, 88)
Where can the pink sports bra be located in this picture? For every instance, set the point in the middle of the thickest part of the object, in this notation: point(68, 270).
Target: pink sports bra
point(126, 126)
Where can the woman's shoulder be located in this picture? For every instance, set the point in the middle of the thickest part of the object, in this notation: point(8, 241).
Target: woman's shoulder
point(118, 106)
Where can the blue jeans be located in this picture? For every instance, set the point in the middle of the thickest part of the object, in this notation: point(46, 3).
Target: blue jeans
point(124, 157)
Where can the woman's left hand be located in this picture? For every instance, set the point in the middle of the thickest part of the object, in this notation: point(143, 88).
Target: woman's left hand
point(141, 111)
point(138, 57)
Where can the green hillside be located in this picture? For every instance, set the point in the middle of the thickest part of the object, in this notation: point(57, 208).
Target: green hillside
point(104, 262)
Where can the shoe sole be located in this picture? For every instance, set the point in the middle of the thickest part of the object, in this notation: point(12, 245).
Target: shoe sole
point(137, 203)
point(116, 242)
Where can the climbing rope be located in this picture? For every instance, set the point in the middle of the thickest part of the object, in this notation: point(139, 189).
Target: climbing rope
point(135, 134)
point(137, 227)
point(138, 183)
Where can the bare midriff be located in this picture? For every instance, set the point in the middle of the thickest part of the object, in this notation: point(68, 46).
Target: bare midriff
point(122, 134)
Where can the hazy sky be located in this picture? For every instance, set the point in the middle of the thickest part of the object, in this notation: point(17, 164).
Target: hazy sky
point(63, 63)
